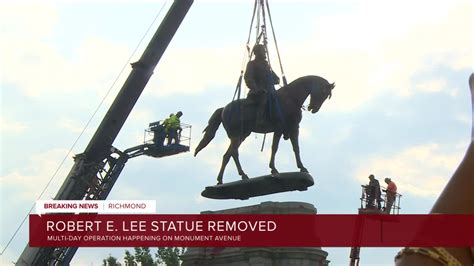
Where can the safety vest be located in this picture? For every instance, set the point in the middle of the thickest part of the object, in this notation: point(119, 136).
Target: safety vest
point(172, 122)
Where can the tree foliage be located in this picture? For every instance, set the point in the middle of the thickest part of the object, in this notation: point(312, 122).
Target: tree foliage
point(169, 256)
point(129, 259)
point(143, 257)
point(110, 261)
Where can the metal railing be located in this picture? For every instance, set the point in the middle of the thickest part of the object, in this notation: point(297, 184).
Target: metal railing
point(365, 204)
point(184, 135)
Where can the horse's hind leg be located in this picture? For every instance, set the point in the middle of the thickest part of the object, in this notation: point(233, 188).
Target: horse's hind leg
point(225, 160)
point(235, 156)
point(231, 151)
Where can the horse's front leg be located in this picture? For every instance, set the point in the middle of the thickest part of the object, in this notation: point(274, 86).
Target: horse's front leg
point(296, 150)
point(275, 143)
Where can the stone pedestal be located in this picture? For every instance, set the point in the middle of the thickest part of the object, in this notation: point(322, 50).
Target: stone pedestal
point(259, 256)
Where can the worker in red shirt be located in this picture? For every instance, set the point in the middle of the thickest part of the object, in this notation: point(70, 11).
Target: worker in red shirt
point(391, 193)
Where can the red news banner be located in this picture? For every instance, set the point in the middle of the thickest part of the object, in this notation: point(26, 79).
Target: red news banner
point(252, 230)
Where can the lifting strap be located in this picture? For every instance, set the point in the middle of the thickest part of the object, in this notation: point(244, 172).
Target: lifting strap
point(276, 46)
point(259, 16)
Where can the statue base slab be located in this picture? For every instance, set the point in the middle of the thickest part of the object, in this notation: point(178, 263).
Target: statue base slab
point(260, 186)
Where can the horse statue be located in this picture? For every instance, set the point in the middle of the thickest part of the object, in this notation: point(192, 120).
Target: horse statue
point(238, 118)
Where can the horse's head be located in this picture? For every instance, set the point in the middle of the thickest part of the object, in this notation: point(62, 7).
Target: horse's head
point(318, 95)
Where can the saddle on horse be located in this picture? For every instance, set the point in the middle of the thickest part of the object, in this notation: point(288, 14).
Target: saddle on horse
point(267, 111)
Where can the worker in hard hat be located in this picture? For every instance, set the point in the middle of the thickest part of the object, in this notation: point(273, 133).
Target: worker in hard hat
point(173, 127)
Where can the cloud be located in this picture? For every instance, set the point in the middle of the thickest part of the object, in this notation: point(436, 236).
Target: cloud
point(30, 181)
point(38, 68)
point(7, 125)
point(464, 118)
point(194, 70)
point(365, 52)
point(200, 200)
point(131, 193)
point(434, 85)
point(379, 48)
point(35, 19)
point(144, 115)
point(417, 43)
point(212, 154)
point(373, 50)
point(71, 125)
point(421, 170)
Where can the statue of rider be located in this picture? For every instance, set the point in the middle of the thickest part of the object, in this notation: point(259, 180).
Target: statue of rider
point(260, 80)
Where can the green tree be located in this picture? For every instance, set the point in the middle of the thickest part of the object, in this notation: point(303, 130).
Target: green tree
point(170, 256)
point(110, 261)
point(143, 256)
point(129, 259)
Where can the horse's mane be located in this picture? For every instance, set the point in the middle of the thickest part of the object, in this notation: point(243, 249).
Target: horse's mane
point(302, 80)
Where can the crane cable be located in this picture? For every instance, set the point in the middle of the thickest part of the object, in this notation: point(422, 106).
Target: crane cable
point(276, 46)
point(84, 129)
point(259, 11)
point(247, 54)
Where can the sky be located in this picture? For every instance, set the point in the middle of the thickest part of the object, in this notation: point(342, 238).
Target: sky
point(400, 109)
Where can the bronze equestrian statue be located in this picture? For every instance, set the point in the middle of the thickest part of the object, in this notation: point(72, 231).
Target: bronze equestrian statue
point(239, 120)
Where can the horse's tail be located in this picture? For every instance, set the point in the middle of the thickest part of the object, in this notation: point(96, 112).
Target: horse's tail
point(210, 130)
